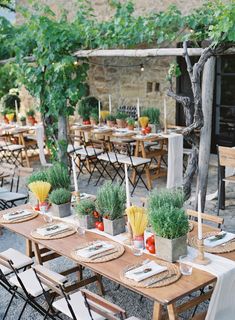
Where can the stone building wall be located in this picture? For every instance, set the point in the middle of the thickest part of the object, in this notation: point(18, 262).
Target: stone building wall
point(126, 84)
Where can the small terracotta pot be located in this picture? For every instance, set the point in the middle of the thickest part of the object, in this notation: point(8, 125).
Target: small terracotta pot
point(131, 127)
point(121, 123)
point(93, 122)
point(110, 123)
point(31, 120)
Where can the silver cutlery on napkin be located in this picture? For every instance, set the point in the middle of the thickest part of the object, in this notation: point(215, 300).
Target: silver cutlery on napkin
point(103, 254)
point(161, 279)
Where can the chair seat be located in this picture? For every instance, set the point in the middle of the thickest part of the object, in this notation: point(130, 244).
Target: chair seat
point(71, 148)
point(135, 161)
point(12, 196)
point(78, 305)
point(89, 151)
point(13, 147)
point(230, 179)
point(111, 157)
point(31, 282)
point(19, 260)
point(2, 189)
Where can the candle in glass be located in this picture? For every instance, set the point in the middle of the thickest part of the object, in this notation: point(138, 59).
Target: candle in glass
point(165, 123)
point(110, 104)
point(74, 175)
point(138, 107)
point(99, 108)
point(199, 216)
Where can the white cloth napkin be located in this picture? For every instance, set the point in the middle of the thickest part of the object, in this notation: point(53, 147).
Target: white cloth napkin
point(47, 231)
point(17, 215)
point(175, 160)
point(221, 306)
point(88, 252)
point(132, 274)
point(228, 237)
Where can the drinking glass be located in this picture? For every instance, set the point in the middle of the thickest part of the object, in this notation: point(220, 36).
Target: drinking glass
point(80, 230)
point(136, 251)
point(185, 268)
point(47, 218)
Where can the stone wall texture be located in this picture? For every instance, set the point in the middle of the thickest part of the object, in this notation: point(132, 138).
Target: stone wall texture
point(125, 85)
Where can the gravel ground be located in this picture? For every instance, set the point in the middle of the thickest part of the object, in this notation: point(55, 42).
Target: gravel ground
point(127, 299)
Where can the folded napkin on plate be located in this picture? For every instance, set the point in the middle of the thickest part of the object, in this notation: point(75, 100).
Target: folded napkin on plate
point(96, 248)
point(17, 215)
point(213, 241)
point(138, 274)
point(55, 228)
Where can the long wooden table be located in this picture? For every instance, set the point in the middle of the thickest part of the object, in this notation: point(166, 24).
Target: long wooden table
point(165, 296)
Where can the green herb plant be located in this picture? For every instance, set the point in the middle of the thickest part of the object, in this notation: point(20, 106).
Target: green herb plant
point(166, 213)
point(94, 116)
point(111, 201)
point(121, 116)
point(153, 114)
point(37, 176)
point(130, 121)
point(60, 196)
point(111, 117)
point(85, 207)
point(30, 113)
point(58, 176)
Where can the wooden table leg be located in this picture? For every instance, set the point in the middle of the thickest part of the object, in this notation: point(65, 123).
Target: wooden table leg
point(157, 311)
point(171, 312)
point(136, 154)
point(22, 141)
point(100, 284)
point(37, 253)
point(29, 249)
point(148, 176)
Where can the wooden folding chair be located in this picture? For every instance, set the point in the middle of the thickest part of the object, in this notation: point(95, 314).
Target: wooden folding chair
point(193, 215)
point(81, 305)
point(226, 158)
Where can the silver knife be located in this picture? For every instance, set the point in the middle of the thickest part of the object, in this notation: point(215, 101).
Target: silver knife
point(103, 255)
point(58, 232)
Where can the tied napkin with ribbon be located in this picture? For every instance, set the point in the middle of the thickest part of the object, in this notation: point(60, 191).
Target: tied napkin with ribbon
point(94, 249)
point(218, 239)
point(17, 215)
point(53, 229)
point(145, 271)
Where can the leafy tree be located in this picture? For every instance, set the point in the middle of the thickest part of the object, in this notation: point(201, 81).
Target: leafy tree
point(7, 4)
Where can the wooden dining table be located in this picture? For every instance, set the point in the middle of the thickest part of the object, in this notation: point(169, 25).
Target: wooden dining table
point(166, 296)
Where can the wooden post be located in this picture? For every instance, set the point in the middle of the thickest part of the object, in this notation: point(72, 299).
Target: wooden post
point(205, 136)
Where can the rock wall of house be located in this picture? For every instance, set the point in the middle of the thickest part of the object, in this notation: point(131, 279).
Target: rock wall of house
point(125, 84)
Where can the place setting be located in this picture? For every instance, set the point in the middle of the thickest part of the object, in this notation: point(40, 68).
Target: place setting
point(215, 242)
point(98, 251)
point(55, 230)
point(18, 216)
point(150, 274)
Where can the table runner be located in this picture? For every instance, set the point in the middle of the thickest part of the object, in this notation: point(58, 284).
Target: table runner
point(221, 306)
point(175, 160)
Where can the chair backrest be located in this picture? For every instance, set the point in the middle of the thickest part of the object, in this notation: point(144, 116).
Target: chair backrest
point(226, 156)
point(206, 217)
point(103, 307)
point(21, 172)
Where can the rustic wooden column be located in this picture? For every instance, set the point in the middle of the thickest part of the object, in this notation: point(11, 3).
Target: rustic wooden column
point(205, 136)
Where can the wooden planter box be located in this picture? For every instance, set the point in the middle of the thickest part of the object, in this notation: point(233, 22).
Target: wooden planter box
point(170, 249)
point(114, 227)
point(87, 222)
point(62, 210)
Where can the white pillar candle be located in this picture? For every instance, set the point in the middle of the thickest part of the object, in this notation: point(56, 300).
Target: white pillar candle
point(99, 107)
point(138, 107)
point(16, 110)
point(199, 216)
point(128, 202)
point(74, 175)
point(110, 104)
point(165, 122)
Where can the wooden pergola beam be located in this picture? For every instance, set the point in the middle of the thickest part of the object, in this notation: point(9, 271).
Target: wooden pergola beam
point(134, 53)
